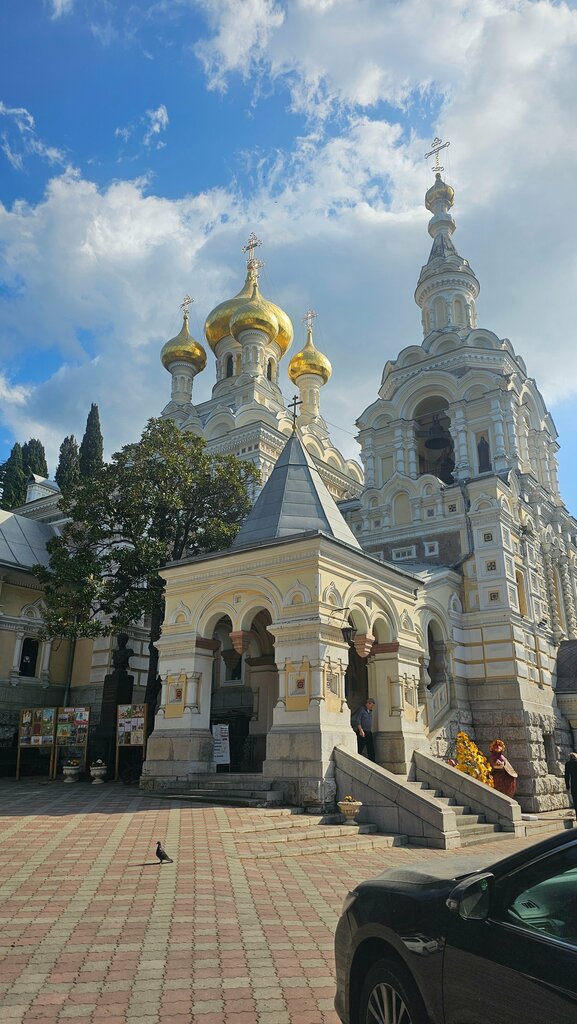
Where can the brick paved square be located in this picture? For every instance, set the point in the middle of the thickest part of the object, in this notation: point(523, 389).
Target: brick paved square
point(95, 932)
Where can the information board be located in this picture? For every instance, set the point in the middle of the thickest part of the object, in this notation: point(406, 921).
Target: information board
point(36, 731)
point(220, 744)
point(130, 729)
point(130, 725)
point(72, 734)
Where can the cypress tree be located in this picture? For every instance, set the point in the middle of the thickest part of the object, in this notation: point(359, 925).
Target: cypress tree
point(34, 458)
point(91, 449)
point(68, 471)
point(13, 480)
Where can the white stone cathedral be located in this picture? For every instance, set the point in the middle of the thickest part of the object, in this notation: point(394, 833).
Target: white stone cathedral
point(452, 558)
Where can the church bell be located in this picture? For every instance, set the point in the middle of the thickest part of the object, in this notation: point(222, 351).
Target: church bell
point(436, 437)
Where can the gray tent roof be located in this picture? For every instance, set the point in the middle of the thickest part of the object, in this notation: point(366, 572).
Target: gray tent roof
point(23, 541)
point(294, 500)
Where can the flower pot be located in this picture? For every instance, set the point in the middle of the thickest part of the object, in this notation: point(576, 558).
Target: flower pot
point(98, 774)
point(349, 809)
point(71, 772)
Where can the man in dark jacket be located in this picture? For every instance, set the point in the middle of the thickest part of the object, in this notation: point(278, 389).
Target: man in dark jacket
point(362, 723)
point(571, 777)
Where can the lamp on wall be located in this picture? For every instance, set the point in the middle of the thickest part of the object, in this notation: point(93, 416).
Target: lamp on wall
point(349, 633)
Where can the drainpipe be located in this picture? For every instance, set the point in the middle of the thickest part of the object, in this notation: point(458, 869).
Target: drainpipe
point(69, 666)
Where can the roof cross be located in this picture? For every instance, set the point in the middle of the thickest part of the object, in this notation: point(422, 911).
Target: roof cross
point(292, 406)
point(186, 302)
point(308, 318)
point(436, 146)
point(251, 245)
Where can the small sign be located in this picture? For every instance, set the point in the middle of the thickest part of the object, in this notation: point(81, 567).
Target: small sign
point(220, 744)
point(130, 725)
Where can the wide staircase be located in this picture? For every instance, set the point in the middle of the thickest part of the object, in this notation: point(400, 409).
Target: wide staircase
point(234, 789)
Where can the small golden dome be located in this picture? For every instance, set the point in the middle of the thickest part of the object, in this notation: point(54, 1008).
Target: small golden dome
point(440, 191)
point(184, 349)
point(309, 360)
point(256, 314)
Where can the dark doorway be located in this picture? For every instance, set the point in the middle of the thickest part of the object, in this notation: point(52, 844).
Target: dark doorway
point(29, 657)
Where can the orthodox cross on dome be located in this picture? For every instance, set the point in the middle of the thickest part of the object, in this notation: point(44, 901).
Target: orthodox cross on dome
point(308, 318)
point(186, 302)
point(292, 406)
point(252, 264)
point(436, 146)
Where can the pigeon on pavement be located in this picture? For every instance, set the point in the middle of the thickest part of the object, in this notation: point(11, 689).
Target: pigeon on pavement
point(162, 854)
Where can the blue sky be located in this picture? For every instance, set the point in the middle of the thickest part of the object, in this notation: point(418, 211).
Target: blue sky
point(141, 142)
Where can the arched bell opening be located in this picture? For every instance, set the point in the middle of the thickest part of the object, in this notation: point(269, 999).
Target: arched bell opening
point(435, 449)
point(356, 675)
point(437, 667)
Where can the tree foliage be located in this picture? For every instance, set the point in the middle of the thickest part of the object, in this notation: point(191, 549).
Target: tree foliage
point(34, 458)
point(92, 446)
point(13, 479)
point(159, 500)
point(68, 469)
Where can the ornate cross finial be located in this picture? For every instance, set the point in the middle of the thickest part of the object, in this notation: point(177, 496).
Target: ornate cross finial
point(436, 146)
point(308, 318)
point(251, 245)
point(186, 302)
point(293, 408)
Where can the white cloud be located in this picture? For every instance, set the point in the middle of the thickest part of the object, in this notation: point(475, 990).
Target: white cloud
point(150, 126)
point(242, 30)
point(12, 394)
point(61, 7)
point(157, 123)
point(24, 141)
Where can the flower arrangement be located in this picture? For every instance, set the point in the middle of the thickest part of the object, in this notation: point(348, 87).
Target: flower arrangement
point(99, 763)
point(471, 761)
point(349, 800)
point(72, 763)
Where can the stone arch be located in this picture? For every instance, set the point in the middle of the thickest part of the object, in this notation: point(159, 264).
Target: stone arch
point(298, 594)
point(34, 610)
point(180, 615)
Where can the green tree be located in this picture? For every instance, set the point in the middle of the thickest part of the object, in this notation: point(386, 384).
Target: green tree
point(34, 458)
point(92, 446)
point(13, 479)
point(68, 471)
point(159, 500)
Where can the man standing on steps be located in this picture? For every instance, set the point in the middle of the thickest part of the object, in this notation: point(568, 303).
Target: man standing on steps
point(362, 723)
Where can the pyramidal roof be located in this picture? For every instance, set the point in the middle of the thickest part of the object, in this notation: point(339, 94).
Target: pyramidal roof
point(294, 500)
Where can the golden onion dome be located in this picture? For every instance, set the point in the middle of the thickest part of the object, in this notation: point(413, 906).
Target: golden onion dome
point(440, 191)
point(217, 324)
point(309, 360)
point(255, 314)
point(184, 349)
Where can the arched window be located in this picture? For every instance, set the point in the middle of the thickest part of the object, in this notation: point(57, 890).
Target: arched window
point(29, 657)
point(402, 509)
point(269, 370)
point(440, 313)
point(229, 366)
point(484, 454)
point(458, 311)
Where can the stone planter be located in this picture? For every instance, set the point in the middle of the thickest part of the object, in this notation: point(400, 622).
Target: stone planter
point(349, 809)
point(98, 774)
point(71, 772)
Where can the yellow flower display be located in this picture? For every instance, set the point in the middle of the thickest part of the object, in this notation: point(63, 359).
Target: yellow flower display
point(472, 761)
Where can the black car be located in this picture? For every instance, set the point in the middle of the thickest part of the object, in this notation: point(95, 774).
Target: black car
point(459, 941)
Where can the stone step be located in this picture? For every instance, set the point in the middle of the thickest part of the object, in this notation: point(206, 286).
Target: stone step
point(543, 827)
point(301, 835)
point(490, 837)
point(299, 822)
point(470, 819)
point(474, 829)
point(233, 782)
point(204, 797)
point(339, 844)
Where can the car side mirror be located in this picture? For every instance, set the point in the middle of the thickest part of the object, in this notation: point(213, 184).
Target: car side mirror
point(471, 898)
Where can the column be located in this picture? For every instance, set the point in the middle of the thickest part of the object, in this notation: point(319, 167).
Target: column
point(552, 594)
point(44, 672)
point(15, 670)
point(512, 437)
point(568, 597)
point(459, 435)
point(499, 459)
point(399, 450)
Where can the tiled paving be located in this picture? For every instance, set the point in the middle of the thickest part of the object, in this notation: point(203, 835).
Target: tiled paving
point(93, 931)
